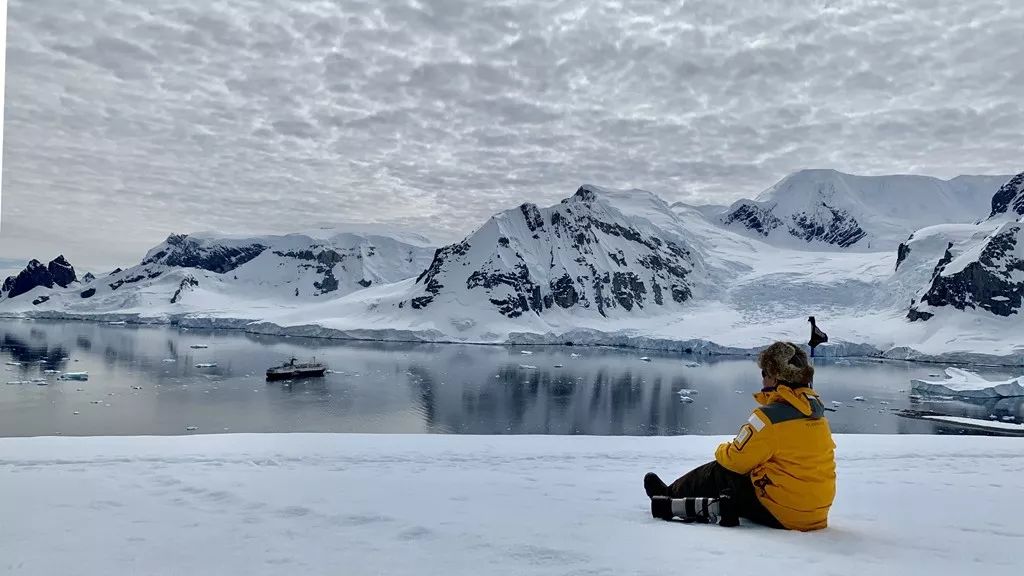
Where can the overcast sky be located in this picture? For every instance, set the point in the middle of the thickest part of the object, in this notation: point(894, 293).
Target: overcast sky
point(129, 120)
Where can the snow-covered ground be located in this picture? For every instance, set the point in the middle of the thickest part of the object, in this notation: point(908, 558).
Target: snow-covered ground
point(435, 504)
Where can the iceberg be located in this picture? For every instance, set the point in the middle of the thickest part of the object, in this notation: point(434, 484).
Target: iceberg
point(970, 385)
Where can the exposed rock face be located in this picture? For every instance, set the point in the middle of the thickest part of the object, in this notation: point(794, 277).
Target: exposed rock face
point(58, 272)
point(829, 225)
point(901, 254)
point(991, 280)
point(588, 253)
point(755, 218)
point(183, 251)
point(61, 271)
point(429, 277)
point(822, 223)
point(186, 283)
point(1009, 198)
point(986, 271)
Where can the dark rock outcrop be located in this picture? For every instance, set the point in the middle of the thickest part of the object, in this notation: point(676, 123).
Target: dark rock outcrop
point(57, 273)
point(840, 228)
point(186, 252)
point(429, 277)
point(187, 283)
point(61, 272)
point(901, 254)
point(992, 282)
point(754, 218)
point(826, 224)
point(1009, 198)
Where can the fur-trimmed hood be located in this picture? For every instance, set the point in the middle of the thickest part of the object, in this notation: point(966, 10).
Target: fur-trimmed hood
point(787, 363)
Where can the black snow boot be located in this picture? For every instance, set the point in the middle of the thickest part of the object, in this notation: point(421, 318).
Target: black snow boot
point(661, 507)
point(728, 517)
point(654, 486)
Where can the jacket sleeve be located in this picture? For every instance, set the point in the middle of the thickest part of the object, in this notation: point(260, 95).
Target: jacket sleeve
point(753, 445)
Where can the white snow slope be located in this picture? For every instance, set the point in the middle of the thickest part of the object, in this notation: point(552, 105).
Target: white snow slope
point(316, 504)
point(826, 209)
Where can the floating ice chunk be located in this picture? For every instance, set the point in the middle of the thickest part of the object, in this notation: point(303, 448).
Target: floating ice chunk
point(685, 399)
point(970, 385)
point(858, 398)
point(206, 365)
point(645, 359)
point(74, 376)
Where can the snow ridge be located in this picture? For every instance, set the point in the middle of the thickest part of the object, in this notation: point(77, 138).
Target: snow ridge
point(204, 272)
point(820, 209)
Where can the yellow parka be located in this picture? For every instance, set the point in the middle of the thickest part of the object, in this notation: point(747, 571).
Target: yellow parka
point(786, 448)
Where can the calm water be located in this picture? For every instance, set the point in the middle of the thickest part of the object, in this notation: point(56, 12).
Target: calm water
point(143, 380)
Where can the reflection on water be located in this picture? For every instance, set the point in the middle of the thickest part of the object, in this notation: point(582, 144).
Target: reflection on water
point(144, 380)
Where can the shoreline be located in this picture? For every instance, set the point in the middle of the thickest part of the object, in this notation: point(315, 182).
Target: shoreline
point(577, 337)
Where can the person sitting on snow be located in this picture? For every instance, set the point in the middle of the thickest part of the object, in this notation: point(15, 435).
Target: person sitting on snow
point(778, 471)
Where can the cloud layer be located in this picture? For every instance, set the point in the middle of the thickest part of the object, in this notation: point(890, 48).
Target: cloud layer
point(126, 121)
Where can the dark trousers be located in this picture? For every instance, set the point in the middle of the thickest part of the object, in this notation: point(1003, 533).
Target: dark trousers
point(712, 479)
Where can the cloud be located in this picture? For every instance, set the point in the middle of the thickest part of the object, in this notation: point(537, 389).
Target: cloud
point(124, 122)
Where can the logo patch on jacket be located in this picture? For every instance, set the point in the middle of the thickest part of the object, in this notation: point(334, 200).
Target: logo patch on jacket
point(756, 422)
point(743, 437)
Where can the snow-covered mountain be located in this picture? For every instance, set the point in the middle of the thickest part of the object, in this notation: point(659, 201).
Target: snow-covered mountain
point(826, 209)
point(974, 266)
point(57, 273)
point(200, 272)
point(600, 252)
point(601, 267)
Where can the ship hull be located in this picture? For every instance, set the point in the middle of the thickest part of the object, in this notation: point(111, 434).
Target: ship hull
point(293, 374)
